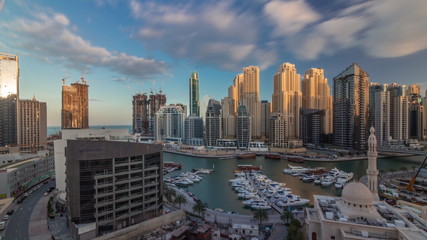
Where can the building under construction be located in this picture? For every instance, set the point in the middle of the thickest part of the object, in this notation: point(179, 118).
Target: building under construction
point(75, 106)
point(144, 111)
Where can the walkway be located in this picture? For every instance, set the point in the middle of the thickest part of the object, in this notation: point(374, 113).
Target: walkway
point(38, 229)
point(225, 218)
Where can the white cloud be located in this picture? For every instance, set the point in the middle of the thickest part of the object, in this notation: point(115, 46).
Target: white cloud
point(51, 36)
point(213, 33)
point(290, 17)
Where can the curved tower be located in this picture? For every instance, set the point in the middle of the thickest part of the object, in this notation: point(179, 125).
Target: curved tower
point(372, 163)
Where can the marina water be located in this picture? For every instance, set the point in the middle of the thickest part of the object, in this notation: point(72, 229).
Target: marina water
point(215, 190)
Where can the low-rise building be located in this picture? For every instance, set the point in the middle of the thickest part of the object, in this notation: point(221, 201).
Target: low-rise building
point(111, 185)
point(17, 178)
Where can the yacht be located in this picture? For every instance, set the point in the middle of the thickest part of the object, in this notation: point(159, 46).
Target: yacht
point(260, 205)
point(317, 181)
point(327, 181)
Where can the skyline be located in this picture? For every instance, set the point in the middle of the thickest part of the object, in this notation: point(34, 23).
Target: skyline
point(126, 47)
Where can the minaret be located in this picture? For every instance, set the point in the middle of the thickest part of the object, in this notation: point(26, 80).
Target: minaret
point(372, 164)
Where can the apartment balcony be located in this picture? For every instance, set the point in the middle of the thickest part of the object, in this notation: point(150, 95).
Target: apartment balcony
point(104, 194)
point(104, 212)
point(152, 175)
point(122, 180)
point(103, 175)
point(103, 184)
point(122, 207)
point(122, 215)
point(151, 183)
point(135, 170)
point(104, 221)
point(151, 192)
point(103, 203)
point(136, 177)
point(151, 167)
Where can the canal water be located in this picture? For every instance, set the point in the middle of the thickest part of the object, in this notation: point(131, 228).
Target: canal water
point(215, 190)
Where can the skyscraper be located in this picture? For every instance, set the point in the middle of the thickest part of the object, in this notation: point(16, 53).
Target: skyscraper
point(75, 106)
point(313, 125)
point(265, 118)
point(157, 100)
point(278, 137)
point(250, 97)
point(33, 122)
point(399, 109)
point(243, 127)
point(193, 130)
point(351, 99)
point(316, 94)
point(416, 121)
point(140, 110)
point(425, 114)
point(235, 91)
point(9, 99)
point(169, 123)
point(228, 118)
point(287, 98)
point(213, 122)
point(194, 94)
point(379, 111)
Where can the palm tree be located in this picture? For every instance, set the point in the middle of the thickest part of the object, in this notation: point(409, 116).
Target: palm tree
point(403, 169)
point(180, 199)
point(260, 215)
point(286, 216)
point(200, 207)
point(392, 170)
point(169, 193)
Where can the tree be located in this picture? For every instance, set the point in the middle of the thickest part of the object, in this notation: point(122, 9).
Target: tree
point(260, 215)
point(293, 230)
point(287, 216)
point(392, 170)
point(403, 169)
point(200, 207)
point(180, 199)
point(169, 194)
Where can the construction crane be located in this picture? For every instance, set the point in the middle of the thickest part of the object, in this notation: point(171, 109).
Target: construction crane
point(410, 186)
point(63, 80)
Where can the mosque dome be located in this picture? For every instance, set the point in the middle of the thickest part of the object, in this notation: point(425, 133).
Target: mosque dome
point(357, 193)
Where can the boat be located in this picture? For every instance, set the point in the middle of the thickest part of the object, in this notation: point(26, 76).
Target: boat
point(272, 156)
point(308, 179)
point(298, 169)
point(260, 205)
point(246, 156)
point(317, 171)
point(248, 168)
point(317, 181)
point(327, 181)
point(339, 185)
point(295, 159)
point(249, 202)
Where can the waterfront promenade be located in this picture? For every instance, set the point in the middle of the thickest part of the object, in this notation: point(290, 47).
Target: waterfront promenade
point(225, 218)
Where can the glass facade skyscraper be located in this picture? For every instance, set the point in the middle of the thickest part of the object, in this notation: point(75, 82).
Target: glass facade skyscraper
point(9, 99)
point(194, 94)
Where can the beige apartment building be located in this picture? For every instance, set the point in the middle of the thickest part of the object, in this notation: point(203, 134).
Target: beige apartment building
point(33, 122)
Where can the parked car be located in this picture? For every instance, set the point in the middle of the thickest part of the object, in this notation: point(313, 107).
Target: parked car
point(10, 212)
point(6, 217)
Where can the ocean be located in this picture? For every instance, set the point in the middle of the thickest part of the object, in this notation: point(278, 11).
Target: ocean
point(56, 129)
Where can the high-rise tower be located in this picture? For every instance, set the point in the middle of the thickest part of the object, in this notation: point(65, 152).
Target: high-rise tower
point(140, 110)
point(316, 94)
point(372, 163)
point(249, 96)
point(194, 94)
point(33, 122)
point(75, 106)
point(379, 111)
point(351, 101)
point(9, 99)
point(213, 122)
point(287, 98)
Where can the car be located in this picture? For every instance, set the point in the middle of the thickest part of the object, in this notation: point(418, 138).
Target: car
point(6, 217)
point(10, 212)
point(2, 224)
point(45, 194)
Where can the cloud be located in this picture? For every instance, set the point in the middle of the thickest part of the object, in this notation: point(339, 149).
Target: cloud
point(230, 35)
point(290, 17)
point(382, 28)
point(52, 36)
point(210, 33)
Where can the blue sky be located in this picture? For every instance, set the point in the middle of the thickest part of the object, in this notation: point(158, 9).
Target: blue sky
point(128, 46)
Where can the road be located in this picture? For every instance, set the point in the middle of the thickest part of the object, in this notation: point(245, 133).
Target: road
point(17, 225)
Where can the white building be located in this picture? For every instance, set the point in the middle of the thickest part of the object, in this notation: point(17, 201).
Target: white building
point(170, 122)
point(359, 215)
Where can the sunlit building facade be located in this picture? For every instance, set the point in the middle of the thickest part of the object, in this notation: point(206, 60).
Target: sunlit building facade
point(9, 99)
point(194, 94)
point(75, 106)
point(33, 122)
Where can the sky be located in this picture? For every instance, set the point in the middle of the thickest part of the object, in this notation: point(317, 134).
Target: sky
point(124, 47)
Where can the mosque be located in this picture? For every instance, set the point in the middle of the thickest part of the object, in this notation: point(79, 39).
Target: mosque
point(358, 213)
